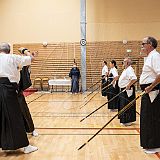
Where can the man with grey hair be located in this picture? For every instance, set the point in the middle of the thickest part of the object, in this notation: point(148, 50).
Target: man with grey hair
point(12, 131)
point(5, 47)
point(126, 81)
point(150, 102)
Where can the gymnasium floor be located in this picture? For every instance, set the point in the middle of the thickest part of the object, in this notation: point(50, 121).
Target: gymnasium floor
point(57, 119)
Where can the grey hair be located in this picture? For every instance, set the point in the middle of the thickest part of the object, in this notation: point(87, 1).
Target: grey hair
point(129, 60)
point(152, 41)
point(5, 47)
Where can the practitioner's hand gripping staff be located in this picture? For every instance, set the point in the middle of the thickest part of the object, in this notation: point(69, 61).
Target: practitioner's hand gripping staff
point(119, 113)
point(24, 51)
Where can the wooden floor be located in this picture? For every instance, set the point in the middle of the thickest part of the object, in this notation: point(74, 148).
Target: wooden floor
point(57, 119)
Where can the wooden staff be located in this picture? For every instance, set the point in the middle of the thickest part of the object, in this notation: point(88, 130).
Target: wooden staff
point(102, 105)
point(92, 85)
point(119, 113)
point(97, 88)
point(92, 97)
point(106, 86)
point(89, 100)
point(91, 92)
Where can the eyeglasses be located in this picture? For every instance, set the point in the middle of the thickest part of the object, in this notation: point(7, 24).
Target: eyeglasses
point(144, 43)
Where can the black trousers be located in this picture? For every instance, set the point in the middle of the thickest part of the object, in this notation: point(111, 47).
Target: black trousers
point(150, 122)
point(28, 122)
point(104, 84)
point(130, 114)
point(112, 92)
point(12, 130)
point(74, 84)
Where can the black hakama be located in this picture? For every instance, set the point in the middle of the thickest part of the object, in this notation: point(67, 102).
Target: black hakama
point(75, 84)
point(104, 84)
point(25, 83)
point(75, 75)
point(112, 92)
point(12, 130)
point(28, 122)
point(150, 122)
point(130, 114)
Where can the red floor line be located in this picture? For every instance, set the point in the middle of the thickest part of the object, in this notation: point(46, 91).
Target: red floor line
point(28, 92)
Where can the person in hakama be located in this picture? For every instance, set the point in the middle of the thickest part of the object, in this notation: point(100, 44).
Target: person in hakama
point(104, 78)
point(125, 82)
point(12, 131)
point(24, 83)
point(150, 101)
point(75, 76)
point(113, 89)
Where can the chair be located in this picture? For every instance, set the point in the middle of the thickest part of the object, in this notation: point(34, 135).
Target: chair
point(37, 83)
point(45, 84)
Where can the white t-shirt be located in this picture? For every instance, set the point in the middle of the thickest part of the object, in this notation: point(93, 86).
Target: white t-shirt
point(104, 70)
point(114, 72)
point(126, 77)
point(9, 65)
point(151, 68)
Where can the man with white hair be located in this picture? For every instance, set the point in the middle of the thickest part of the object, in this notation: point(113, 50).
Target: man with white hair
point(12, 131)
point(126, 80)
point(150, 102)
